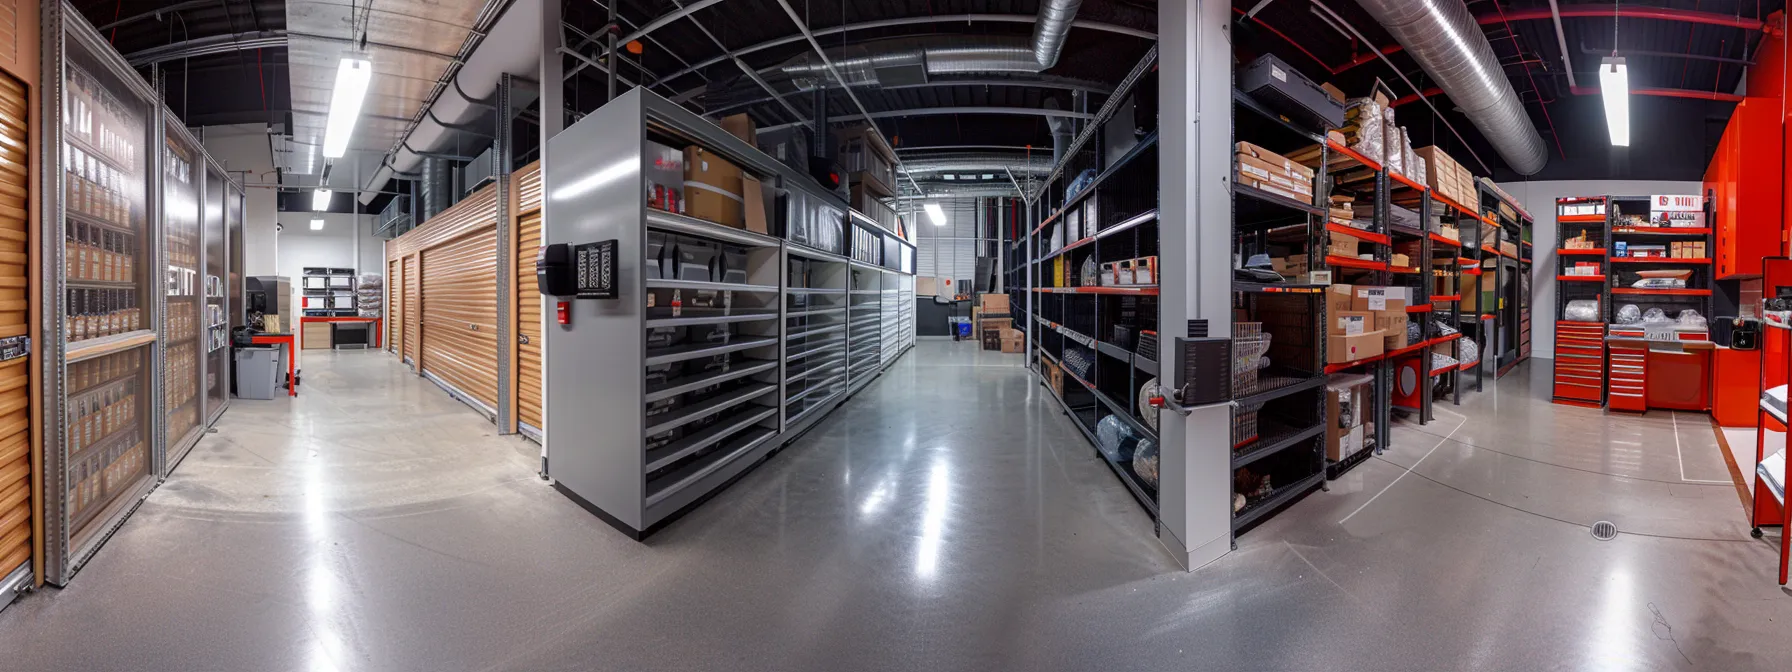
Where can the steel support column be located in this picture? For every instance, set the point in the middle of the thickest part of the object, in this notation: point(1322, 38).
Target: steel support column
point(503, 146)
point(552, 103)
point(1195, 81)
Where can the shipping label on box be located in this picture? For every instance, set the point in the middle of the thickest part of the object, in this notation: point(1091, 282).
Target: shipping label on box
point(1352, 322)
point(1341, 348)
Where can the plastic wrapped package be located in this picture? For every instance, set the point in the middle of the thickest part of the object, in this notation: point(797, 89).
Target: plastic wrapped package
point(370, 295)
point(1659, 283)
point(1144, 462)
point(1088, 272)
point(1365, 115)
point(1147, 412)
point(1412, 332)
point(1655, 316)
point(1395, 159)
point(1692, 318)
point(1115, 439)
point(1581, 310)
point(1470, 351)
point(1629, 314)
point(1442, 328)
point(1409, 157)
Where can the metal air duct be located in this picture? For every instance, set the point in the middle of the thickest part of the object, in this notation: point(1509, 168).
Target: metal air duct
point(1445, 40)
point(974, 162)
point(1053, 26)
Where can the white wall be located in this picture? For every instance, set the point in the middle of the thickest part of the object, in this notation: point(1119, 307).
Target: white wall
point(1540, 199)
point(243, 150)
point(346, 241)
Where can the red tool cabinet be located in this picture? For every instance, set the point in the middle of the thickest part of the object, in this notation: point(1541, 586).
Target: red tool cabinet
point(1580, 363)
point(1629, 362)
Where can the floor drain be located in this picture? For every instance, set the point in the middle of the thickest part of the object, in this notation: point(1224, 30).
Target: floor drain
point(1605, 531)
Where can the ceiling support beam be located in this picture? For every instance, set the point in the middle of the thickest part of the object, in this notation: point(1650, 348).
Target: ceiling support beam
point(158, 12)
point(1041, 83)
point(207, 46)
point(1631, 12)
point(907, 21)
point(643, 31)
point(935, 111)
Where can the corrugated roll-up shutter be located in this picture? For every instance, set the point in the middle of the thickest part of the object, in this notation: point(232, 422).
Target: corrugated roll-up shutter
point(528, 299)
point(395, 300)
point(15, 375)
point(459, 260)
point(411, 290)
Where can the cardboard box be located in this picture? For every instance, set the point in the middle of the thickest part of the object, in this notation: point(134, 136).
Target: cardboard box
point(1351, 322)
point(753, 204)
point(1338, 298)
point(1342, 245)
point(1013, 341)
point(1276, 189)
point(1278, 174)
point(995, 324)
point(992, 340)
point(740, 126)
point(993, 304)
point(1054, 376)
point(1346, 413)
point(1450, 232)
point(1336, 93)
point(1401, 260)
point(1379, 299)
point(1392, 326)
point(1248, 149)
point(1340, 348)
point(712, 188)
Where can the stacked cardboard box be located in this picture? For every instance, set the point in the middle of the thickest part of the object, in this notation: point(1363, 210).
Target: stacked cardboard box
point(1274, 173)
point(1387, 307)
point(1350, 333)
point(1688, 250)
point(1013, 340)
point(1347, 402)
point(1342, 210)
point(1447, 177)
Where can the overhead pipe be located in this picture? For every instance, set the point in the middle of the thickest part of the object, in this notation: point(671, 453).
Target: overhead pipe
point(1444, 39)
point(1665, 54)
point(1052, 28)
point(511, 45)
point(1631, 12)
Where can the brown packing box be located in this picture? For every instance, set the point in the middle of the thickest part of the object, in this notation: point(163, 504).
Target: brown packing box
point(992, 340)
point(1338, 298)
point(753, 204)
point(1342, 245)
point(1340, 348)
point(1450, 232)
point(1054, 376)
point(740, 126)
point(1260, 174)
point(1392, 326)
point(1336, 93)
point(1275, 172)
point(1401, 260)
point(1276, 189)
point(1248, 149)
point(1013, 341)
point(1351, 322)
point(712, 188)
point(995, 324)
point(1345, 413)
point(1378, 299)
point(994, 304)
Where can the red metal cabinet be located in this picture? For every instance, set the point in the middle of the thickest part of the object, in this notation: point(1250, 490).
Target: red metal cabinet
point(1745, 180)
point(1629, 377)
point(1580, 363)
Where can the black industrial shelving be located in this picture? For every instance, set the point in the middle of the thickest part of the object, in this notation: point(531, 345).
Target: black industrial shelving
point(1093, 333)
point(1278, 413)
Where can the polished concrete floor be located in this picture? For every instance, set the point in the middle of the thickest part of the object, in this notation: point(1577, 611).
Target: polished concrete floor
point(948, 518)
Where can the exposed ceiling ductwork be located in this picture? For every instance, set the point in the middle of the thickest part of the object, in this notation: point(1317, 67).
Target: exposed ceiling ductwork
point(999, 163)
point(511, 44)
point(1050, 31)
point(1447, 42)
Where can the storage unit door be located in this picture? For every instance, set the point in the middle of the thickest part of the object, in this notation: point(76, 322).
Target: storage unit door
point(411, 289)
point(460, 314)
point(528, 322)
point(395, 300)
point(15, 375)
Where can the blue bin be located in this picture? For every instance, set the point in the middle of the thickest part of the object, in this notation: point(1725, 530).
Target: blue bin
point(964, 328)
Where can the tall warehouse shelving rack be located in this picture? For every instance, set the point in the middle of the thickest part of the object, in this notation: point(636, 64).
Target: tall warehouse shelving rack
point(134, 290)
point(653, 403)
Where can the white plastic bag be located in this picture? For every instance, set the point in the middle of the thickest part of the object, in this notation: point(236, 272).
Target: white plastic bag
point(1629, 314)
point(1581, 310)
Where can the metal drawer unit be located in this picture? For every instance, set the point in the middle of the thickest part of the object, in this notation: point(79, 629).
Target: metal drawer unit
point(1629, 375)
point(1580, 362)
point(732, 364)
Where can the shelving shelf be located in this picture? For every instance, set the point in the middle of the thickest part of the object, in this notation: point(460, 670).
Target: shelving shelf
point(753, 357)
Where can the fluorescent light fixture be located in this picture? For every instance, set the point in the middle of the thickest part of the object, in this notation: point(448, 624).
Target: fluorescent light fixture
point(935, 213)
point(353, 76)
point(320, 200)
point(1614, 87)
point(317, 225)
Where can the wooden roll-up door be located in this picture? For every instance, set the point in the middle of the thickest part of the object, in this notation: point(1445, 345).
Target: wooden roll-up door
point(460, 314)
point(528, 298)
point(411, 290)
point(528, 318)
point(394, 299)
point(15, 375)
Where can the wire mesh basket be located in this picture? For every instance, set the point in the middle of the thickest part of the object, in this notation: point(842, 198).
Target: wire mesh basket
point(1249, 344)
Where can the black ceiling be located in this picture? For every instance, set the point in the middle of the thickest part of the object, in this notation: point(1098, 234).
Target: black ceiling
point(1672, 137)
point(239, 86)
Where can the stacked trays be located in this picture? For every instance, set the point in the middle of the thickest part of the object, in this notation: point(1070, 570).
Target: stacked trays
point(891, 305)
point(815, 333)
point(865, 321)
point(711, 364)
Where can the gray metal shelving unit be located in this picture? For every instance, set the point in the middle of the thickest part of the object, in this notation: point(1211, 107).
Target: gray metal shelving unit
point(735, 358)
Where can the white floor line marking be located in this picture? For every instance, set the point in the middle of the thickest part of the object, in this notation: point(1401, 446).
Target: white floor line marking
point(1681, 457)
point(1415, 465)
